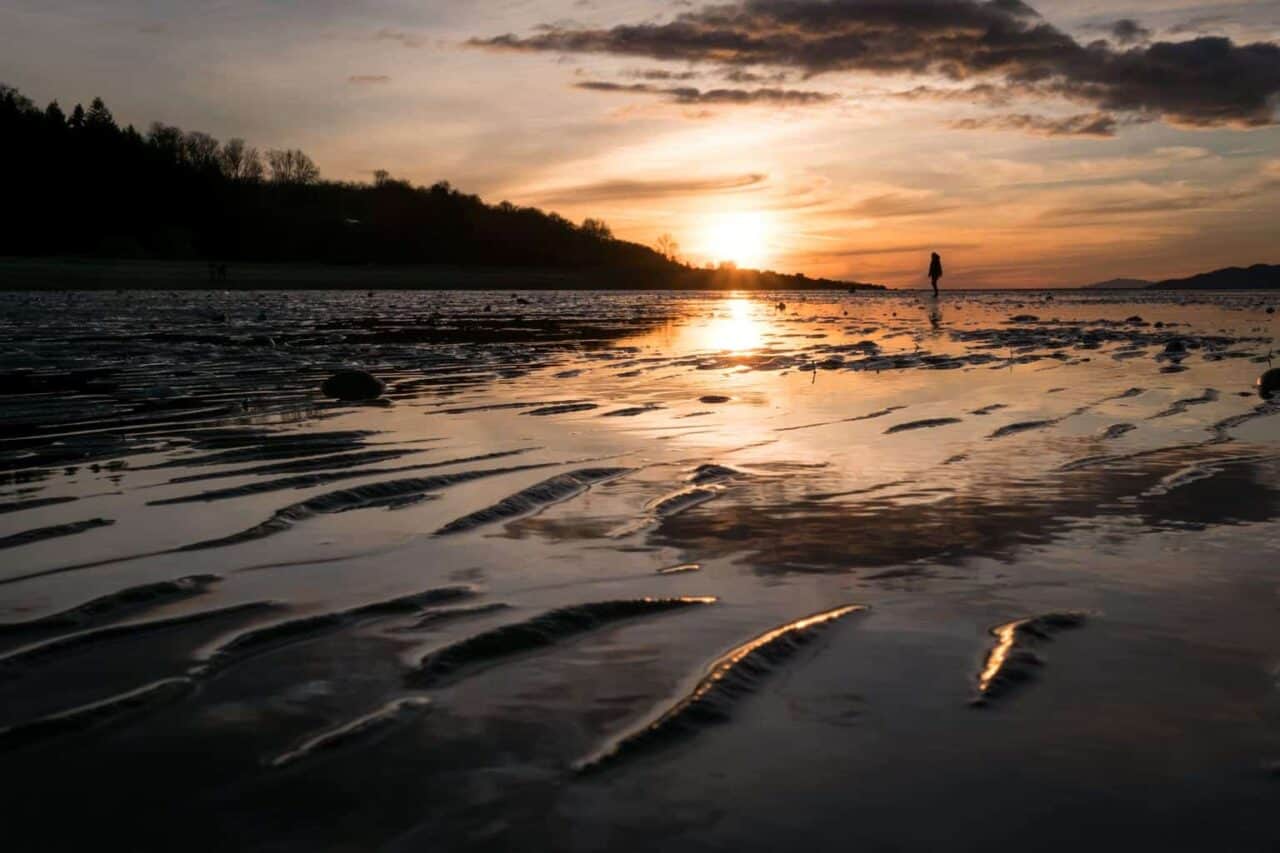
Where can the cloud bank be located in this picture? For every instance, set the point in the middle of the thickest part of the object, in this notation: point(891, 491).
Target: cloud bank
point(1204, 81)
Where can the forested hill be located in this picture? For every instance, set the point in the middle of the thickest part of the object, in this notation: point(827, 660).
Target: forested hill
point(1256, 277)
point(78, 185)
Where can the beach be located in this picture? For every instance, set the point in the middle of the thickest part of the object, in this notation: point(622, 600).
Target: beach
point(614, 571)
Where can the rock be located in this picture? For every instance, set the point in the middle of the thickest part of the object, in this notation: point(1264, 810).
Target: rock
point(1024, 318)
point(713, 398)
point(353, 385)
point(1269, 383)
point(1175, 347)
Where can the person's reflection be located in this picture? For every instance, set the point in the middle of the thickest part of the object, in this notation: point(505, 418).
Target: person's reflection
point(935, 316)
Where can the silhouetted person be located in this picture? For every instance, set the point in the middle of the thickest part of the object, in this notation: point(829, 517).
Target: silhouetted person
point(935, 271)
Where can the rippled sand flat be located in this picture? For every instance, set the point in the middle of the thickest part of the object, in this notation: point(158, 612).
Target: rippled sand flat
point(638, 571)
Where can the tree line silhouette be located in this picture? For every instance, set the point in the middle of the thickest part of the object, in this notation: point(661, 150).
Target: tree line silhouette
point(81, 185)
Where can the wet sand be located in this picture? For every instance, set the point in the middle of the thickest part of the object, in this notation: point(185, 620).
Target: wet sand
point(628, 571)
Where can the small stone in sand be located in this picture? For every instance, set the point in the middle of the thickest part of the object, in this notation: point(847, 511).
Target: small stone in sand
point(353, 385)
point(1269, 383)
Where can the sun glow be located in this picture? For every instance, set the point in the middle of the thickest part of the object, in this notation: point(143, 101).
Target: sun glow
point(739, 238)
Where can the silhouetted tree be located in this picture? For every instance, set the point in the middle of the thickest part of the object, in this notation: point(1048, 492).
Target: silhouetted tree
point(167, 141)
point(597, 228)
point(239, 162)
point(99, 118)
point(201, 151)
point(668, 247)
point(291, 166)
point(174, 194)
point(13, 101)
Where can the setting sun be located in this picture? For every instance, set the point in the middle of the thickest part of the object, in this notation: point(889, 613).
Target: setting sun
point(738, 237)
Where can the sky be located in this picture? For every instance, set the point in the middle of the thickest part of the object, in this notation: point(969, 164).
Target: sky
point(1039, 143)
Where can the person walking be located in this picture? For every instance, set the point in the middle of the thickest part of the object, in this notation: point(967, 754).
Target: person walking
point(935, 271)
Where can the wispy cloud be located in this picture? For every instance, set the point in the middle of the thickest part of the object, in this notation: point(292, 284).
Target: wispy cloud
point(368, 79)
point(661, 74)
point(893, 250)
point(894, 205)
point(1201, 24)
point(1140, 199)
point(980, 93)
point(710, 97)
point(406, 39)
point(1098, 125)
point(651, 189)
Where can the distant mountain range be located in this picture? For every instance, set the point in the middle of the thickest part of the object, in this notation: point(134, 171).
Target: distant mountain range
point(1256, 277)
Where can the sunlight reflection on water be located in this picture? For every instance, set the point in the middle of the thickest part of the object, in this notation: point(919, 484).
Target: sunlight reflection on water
point(734, 328)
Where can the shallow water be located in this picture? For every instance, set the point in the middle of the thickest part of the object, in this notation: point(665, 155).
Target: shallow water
point(624, 570)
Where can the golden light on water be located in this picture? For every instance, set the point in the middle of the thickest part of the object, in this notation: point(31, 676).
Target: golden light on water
point(734, 329)
point(1005, 636)
point(720, 669)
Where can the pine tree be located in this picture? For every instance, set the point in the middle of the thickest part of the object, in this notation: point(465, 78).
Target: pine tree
point(99, 117)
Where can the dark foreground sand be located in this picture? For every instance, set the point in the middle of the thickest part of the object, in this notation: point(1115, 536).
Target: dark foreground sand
point(638, 571)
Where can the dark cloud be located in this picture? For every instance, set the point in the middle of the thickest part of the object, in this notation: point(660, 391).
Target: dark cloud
point(615, 190)
point(727, 97)
point(741, 76)
point(1203, 82)
point(368, 79)
point(1085, 124)
point(1129, 31)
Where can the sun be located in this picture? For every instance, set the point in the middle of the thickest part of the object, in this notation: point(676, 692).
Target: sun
point(739, 237)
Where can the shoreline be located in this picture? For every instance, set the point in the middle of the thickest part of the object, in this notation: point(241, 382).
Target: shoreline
point(105, 274)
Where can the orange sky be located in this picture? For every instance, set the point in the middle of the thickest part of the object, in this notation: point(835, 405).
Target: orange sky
point(852, 170)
